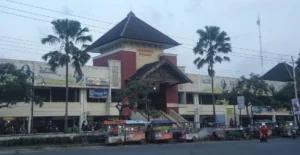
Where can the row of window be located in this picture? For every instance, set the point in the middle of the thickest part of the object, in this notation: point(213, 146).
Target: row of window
point(205, 99)
point(59, 94)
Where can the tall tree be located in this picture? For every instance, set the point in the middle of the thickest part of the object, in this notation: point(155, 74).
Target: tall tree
point(14, 86)
point(212, 47)
point(255, 91)
point(67, 34)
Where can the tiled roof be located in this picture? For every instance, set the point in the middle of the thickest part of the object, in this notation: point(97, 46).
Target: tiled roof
point(133, 28)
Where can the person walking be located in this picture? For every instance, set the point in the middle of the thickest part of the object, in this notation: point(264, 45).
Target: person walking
point(231, 123)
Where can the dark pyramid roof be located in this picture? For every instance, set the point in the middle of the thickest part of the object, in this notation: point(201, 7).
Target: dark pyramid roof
point(133, 28)
point(144, 70)
point(281, 72)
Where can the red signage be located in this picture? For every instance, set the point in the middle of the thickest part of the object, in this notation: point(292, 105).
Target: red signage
point(135, 137)
point(145, 52)
point(163, 136)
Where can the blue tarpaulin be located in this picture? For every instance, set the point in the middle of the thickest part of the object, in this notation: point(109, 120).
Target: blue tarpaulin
point(161, 122)
point(98, 93)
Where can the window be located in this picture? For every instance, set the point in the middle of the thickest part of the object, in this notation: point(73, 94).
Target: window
point(59, 94)
point(43, 93)
point(189, 98)
point(207, 99)
point(114, 93)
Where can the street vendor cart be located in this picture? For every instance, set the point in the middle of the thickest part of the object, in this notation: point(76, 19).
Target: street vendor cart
point(114, 132)
point(190, 131)
point(160, 130)
point(134, 131)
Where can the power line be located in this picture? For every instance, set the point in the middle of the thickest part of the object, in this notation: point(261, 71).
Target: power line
point(37, 19)
point(21, 51)
point(268, 58)
point(99, 21)
point(25, 47)
point(20, 39)
point(37, 7)
point(22, 43)
point(108, 29)
point(49, 17)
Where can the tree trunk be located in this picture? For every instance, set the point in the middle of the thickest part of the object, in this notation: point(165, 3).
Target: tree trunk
point(67, 50)
point(247, 110)
point(67, 96)
point(213, 98)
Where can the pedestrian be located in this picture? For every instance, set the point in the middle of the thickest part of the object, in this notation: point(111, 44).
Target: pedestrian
point(231, 122)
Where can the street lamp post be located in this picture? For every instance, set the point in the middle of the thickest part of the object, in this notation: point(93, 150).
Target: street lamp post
point(33, 77)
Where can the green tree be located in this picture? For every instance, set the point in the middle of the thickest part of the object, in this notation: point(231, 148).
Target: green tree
point(136, 94)
point(14, 86)
point(282, 98)
point(67, 34)
point(212, 47)
point(254, 89)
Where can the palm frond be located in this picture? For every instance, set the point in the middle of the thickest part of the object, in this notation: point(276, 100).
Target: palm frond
point(84, 46)
point(226, 58)
point(218, 59)
point(53, 59)
point(82, 31)
point(50, 39)
point(199, 62)
point(83, 39)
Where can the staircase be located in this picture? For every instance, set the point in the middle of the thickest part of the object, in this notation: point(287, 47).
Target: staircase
point(177, 117)
point(168, 117)
point(136, 115)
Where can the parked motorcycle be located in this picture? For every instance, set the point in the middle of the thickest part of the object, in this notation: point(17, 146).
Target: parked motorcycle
point(294, 133)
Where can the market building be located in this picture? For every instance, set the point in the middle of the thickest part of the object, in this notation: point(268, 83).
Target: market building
point(131, 50)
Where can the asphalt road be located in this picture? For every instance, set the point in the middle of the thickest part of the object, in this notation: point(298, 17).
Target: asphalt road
point(273, 147)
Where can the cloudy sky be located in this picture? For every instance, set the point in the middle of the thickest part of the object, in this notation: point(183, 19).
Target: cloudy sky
point(25, 22)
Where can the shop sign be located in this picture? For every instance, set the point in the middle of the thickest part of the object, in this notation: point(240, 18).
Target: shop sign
point(229, 111)
point(145, 52)
point(296, 106)
point(98, 93)
point(97, 81)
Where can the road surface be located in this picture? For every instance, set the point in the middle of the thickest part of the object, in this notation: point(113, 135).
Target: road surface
point(273, 147)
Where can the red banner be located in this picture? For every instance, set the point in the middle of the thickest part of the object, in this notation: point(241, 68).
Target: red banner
point(135, 137)
point(163, 136)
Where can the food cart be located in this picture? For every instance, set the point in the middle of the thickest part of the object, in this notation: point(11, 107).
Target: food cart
point(160, 130)
point(134, 131)
point(114, 132)
point(190, 131)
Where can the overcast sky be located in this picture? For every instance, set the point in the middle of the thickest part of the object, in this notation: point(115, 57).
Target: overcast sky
point(177, 18)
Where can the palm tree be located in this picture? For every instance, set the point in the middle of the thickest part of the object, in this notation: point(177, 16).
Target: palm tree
point(213, 44)
point(67, 33)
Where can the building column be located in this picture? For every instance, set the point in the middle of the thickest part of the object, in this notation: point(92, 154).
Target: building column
point(183, 98)
point(273, 116)
point(83, 106)
point(29, 119)
point(196, 104)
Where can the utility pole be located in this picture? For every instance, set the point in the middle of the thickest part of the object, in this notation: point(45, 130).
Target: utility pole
point(260, 46)
point(295, 87)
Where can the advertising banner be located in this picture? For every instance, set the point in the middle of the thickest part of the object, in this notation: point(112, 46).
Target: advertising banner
point(221, 84)
point(135, 136)
point(241, 102)
point(98, 93)
point(93, 81)
point(296, 106)
point(220, 118)
point(163, 136)
point(229, 110)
